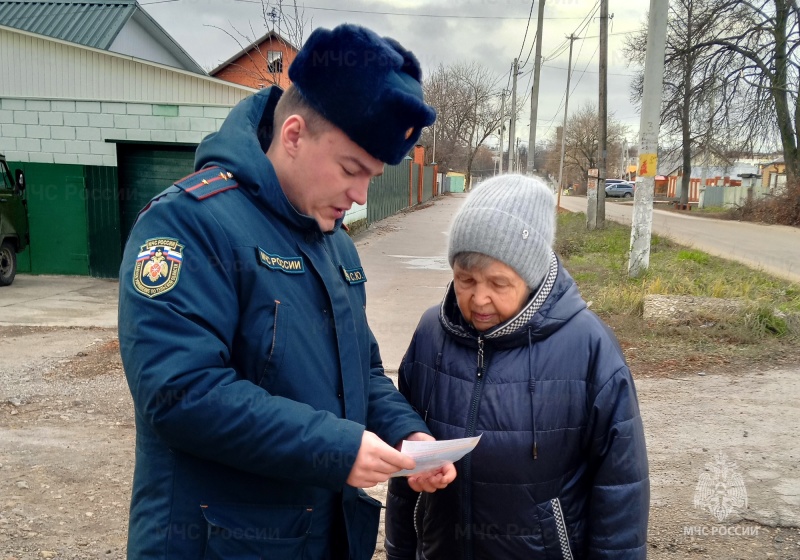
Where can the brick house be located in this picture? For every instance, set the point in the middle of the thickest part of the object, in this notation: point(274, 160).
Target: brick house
point(262, 63)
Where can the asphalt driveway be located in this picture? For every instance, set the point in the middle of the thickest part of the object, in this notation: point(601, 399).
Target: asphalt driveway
point(59, 301)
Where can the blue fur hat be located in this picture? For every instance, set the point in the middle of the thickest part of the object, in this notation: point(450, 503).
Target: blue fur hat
point(366, 85)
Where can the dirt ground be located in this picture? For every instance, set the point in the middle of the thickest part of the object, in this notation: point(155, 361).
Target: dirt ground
point(67, 441)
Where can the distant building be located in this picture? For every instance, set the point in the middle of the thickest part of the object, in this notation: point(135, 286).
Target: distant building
point(773, 175)
point(262, 63)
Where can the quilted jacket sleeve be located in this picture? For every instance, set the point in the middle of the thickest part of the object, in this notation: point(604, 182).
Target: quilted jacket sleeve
point(401, 537)
point(388, 412)
point(620, 494)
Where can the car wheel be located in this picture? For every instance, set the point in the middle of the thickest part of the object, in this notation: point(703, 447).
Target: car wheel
point(627, 195)
point(8, 263)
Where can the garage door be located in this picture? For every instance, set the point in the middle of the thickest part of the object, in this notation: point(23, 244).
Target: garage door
point(146, 170)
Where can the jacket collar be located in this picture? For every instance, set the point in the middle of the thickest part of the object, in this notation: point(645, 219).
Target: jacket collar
point(555, 302)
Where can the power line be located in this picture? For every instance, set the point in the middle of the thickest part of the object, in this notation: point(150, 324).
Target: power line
point(524, 37)
point(589, 71)
point(585, 20)
point(561, 104)
point(448, 16)
point(530, 50)
point(610, 34)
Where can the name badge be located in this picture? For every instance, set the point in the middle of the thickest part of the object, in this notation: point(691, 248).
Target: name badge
point(354, 275)
point(289, 265)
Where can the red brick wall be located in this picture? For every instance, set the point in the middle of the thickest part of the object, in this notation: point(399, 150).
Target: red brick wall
point(419, 154)
point(250, 69)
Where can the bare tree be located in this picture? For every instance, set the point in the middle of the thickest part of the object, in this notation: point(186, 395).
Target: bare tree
point(467, 102)
point(698, 93)
point(287, 25)
point(582, 142)
point(765, 36)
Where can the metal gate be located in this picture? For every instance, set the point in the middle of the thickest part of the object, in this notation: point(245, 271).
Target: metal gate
point(57, 217)
point(145, 171)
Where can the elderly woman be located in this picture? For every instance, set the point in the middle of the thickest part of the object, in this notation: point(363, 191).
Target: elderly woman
point(514, 354)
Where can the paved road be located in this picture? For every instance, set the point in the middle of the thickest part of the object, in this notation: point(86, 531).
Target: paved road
point(775, 249)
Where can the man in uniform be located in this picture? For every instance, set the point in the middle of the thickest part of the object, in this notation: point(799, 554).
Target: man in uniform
point(261, 404)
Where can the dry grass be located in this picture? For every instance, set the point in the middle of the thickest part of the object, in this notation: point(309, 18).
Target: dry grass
point(782, 209)
point(766, 333)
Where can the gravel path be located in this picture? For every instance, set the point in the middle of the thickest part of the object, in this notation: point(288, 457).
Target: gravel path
point(67, 440)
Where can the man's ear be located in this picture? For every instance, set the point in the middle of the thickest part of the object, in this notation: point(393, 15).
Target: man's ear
point(292, 132)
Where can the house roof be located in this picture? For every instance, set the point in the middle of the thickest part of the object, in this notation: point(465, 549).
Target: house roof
point(92, 23)
point(251, 46)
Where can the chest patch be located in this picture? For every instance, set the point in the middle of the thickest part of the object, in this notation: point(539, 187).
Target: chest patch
point(289, 265)
point(354, 275)
point(158, 266)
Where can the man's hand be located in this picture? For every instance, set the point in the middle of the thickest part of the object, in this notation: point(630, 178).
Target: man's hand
point(376, 462)
point(434, 480)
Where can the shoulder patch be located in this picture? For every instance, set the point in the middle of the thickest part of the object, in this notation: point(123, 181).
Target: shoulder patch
point(207, 182)
point(158, 266)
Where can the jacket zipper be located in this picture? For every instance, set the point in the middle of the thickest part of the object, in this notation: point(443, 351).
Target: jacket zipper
point(274, 338)
point(274, 330)
point(467, 465)
point(561, 528)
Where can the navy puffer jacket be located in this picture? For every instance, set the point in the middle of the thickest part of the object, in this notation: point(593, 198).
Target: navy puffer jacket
point(255, 374)
point(561, 468)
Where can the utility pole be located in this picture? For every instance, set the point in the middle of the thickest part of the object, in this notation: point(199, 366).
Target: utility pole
point(623, 156)
point(706, 160)
point(512, 127)
point(537, 66)
point(564, 128)
point(642, 225)
point(502, 125)
point(433, 157)
point(596, 214)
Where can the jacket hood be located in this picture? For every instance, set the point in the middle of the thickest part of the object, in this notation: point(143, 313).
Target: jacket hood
point(240, 147)
point(555, 302)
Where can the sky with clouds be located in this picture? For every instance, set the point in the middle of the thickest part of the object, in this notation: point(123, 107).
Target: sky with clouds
point(487, 32)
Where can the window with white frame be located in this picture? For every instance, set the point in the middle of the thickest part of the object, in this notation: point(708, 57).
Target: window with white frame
point(274, 62)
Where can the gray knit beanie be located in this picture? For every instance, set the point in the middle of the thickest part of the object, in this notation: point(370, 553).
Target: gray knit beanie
point(512, 219)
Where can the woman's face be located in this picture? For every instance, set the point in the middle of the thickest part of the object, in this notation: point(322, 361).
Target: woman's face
point(490, 294)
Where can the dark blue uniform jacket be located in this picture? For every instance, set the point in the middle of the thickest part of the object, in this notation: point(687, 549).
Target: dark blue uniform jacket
point(252, 368)
point(560, 471)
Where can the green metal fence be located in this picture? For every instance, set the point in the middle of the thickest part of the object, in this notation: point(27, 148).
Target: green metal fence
point(388, 194)
point(427, 183)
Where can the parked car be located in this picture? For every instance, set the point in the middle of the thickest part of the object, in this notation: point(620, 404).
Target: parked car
point(14, 235)
point(619, 188)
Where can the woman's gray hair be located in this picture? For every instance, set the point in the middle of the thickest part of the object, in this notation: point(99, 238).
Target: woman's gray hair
point(470, 260)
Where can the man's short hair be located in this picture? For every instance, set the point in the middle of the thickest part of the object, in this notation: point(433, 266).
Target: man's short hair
point(293, 103)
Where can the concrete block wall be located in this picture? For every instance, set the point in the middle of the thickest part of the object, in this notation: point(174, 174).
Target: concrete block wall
point(78, 132)
point(356, 213)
